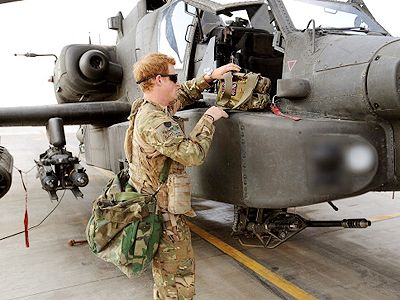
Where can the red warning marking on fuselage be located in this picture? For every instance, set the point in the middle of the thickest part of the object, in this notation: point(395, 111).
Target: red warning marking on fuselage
point(291, 64)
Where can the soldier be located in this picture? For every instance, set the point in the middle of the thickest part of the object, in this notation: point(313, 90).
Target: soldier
point(154, 134)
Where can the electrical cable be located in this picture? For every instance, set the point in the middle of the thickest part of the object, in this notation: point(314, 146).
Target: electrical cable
point(44, 219)
point(25, 172)
point(37, 225)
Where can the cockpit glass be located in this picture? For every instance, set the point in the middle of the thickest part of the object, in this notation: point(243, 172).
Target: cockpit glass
point(236, 15)
point(331, 15)
point(226, 2)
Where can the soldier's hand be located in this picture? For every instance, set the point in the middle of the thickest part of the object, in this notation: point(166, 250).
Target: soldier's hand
point(218, 73)
point(216, 113)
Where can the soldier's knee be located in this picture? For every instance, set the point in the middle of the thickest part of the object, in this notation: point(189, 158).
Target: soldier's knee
point(185, 293)
point(185, 287)
point(165, 293)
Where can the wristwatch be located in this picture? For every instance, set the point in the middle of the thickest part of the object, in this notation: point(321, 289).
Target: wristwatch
point(208, 72)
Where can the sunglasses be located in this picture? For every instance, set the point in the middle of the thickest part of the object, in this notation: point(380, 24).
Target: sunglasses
point(172, 77)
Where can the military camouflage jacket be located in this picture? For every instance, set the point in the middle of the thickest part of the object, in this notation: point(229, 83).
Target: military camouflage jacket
point(154, 134)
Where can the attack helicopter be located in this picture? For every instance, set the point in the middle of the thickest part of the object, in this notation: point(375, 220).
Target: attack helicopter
point(335, 74)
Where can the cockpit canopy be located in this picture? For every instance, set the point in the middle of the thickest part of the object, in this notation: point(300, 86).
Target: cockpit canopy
point(332, 15)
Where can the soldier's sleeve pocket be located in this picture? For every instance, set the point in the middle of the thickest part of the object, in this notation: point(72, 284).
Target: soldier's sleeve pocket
point(205, 130)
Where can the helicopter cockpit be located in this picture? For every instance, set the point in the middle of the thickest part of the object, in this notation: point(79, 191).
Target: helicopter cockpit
point(245, 37)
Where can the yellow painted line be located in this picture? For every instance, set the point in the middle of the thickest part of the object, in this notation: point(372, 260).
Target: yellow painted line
point(385, 217)
point(256, 267)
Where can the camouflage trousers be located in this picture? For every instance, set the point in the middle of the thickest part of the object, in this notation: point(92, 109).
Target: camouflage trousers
point(173, 264)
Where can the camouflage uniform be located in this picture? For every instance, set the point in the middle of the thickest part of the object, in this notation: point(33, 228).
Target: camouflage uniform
point(153, 135)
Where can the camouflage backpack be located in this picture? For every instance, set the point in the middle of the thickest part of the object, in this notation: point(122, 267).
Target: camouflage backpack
point(125, 227)
point(244, 91)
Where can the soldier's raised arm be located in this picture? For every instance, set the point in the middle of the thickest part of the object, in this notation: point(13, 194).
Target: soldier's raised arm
point(190, 91)
point(166, 136)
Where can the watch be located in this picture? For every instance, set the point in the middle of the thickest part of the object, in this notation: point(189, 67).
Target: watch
point(208, 72)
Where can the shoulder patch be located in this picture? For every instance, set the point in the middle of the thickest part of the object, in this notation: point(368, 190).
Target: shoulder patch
point(169, 131)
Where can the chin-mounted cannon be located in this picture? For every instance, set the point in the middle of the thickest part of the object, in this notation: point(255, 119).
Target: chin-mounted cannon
point(57, 168)
point(272, 227)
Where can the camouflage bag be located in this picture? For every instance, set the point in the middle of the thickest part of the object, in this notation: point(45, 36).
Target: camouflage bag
point(244, 91)
point(125, 227)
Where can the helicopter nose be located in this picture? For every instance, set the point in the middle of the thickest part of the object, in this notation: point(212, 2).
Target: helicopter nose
point(383, 81)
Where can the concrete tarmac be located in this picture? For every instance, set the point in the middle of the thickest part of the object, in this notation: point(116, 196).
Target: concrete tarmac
point(327, 263)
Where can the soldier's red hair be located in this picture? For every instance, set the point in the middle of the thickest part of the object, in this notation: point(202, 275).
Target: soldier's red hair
point(149, 66)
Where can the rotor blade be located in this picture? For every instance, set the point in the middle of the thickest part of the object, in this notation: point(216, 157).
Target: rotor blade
point(97, 113)
point(6, 1)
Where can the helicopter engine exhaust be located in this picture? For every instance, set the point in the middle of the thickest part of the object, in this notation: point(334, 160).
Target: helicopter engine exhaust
point(57, 168)
point(6, 167)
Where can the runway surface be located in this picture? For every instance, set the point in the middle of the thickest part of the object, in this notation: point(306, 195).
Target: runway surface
point(322, 263)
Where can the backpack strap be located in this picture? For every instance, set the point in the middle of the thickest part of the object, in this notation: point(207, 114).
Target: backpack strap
point(251, 83)
point(165, 170)
point(164, 174)
point(129, 133)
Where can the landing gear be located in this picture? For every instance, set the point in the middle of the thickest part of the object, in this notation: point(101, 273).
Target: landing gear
point(272, 227)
